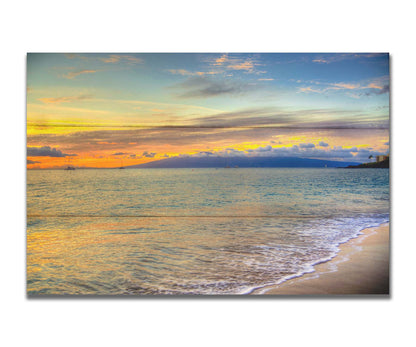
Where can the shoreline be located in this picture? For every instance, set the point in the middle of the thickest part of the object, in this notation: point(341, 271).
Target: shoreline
point(360, 267)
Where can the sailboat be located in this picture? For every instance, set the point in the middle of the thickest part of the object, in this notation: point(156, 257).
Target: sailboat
point(227, 165)
point(121, 166)
point(69, 167)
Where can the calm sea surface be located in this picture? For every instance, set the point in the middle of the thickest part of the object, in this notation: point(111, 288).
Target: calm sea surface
point(191, 231)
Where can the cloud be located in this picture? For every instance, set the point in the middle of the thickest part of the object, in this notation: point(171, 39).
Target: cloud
point(117, 58)
point(306, 145)
point(306, 118)
point(266, 79)
point(184, 72)
point(62, 99)
point(246, 65)
point(323, 144)
point(221, 60)
point(334, 153)
point(377, 87)
point(378, 90)
point(204, 87)
point(337, 57)
point(120, 153)
point(235, 62)
point(148, 155)
point(387, 143)
point(224, 65)
point(196, 138)
point(76, 56)
point(309, 90)
point(341, 85)
point(321, 60)
point(109, 59)
point(203, 154)
point(330, 86)
point(29, 162)
point(72, 75)
point(46, 151)
point(267, 148)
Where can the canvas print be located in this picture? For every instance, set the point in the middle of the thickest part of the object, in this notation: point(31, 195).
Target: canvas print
point(207, 174)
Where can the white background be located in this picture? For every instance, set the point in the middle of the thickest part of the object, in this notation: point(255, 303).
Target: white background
point(219, 26)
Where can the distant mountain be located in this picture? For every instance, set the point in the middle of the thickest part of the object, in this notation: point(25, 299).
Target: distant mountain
point(385, 164)
point(244, 162)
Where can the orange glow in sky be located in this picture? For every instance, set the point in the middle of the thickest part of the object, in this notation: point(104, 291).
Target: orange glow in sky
point(95, 111)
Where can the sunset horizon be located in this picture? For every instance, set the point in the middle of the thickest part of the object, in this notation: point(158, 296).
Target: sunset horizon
point(108, 110)
point(257, 169)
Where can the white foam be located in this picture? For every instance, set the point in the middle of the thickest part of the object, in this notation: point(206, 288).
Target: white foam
point(310, 268)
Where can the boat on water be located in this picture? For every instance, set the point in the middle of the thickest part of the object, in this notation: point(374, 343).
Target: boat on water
point(69, 168)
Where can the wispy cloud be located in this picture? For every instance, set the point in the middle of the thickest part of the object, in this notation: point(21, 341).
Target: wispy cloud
point(71, 75)
point(245, 65)
point(309, 90)
point(106, 58)
point(205, 87)
point(330, 86)
point(62, 99)
point(337, 57)
point(338, 86)
point(224, 64)
point(305, 118)
point(378, 90)
point(77, 56)
point(117, 58)
point(375, 87)
point(234, 62)
point(184, 72)
point(221, 60)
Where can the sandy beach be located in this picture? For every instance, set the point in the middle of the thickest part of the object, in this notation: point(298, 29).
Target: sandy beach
point(360, 267)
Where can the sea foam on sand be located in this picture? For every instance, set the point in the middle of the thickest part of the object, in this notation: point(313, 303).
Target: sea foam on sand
point(362, 266)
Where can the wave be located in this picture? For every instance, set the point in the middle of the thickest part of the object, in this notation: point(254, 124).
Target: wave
point(310, 268)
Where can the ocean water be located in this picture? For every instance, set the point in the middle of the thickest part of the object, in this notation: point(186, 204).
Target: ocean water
point(191, 231)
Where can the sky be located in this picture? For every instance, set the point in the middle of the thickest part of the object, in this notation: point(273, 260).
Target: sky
point(120, 109)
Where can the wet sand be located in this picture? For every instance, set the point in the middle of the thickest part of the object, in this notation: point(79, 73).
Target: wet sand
point(360, 267)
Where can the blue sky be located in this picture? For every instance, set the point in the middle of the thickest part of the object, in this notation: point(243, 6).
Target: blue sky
point(73, 94)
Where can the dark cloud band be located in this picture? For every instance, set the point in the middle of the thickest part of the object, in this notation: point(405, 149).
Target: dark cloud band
point(46, 151)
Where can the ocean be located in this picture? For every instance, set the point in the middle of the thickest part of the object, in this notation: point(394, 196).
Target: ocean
point(191, 231)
